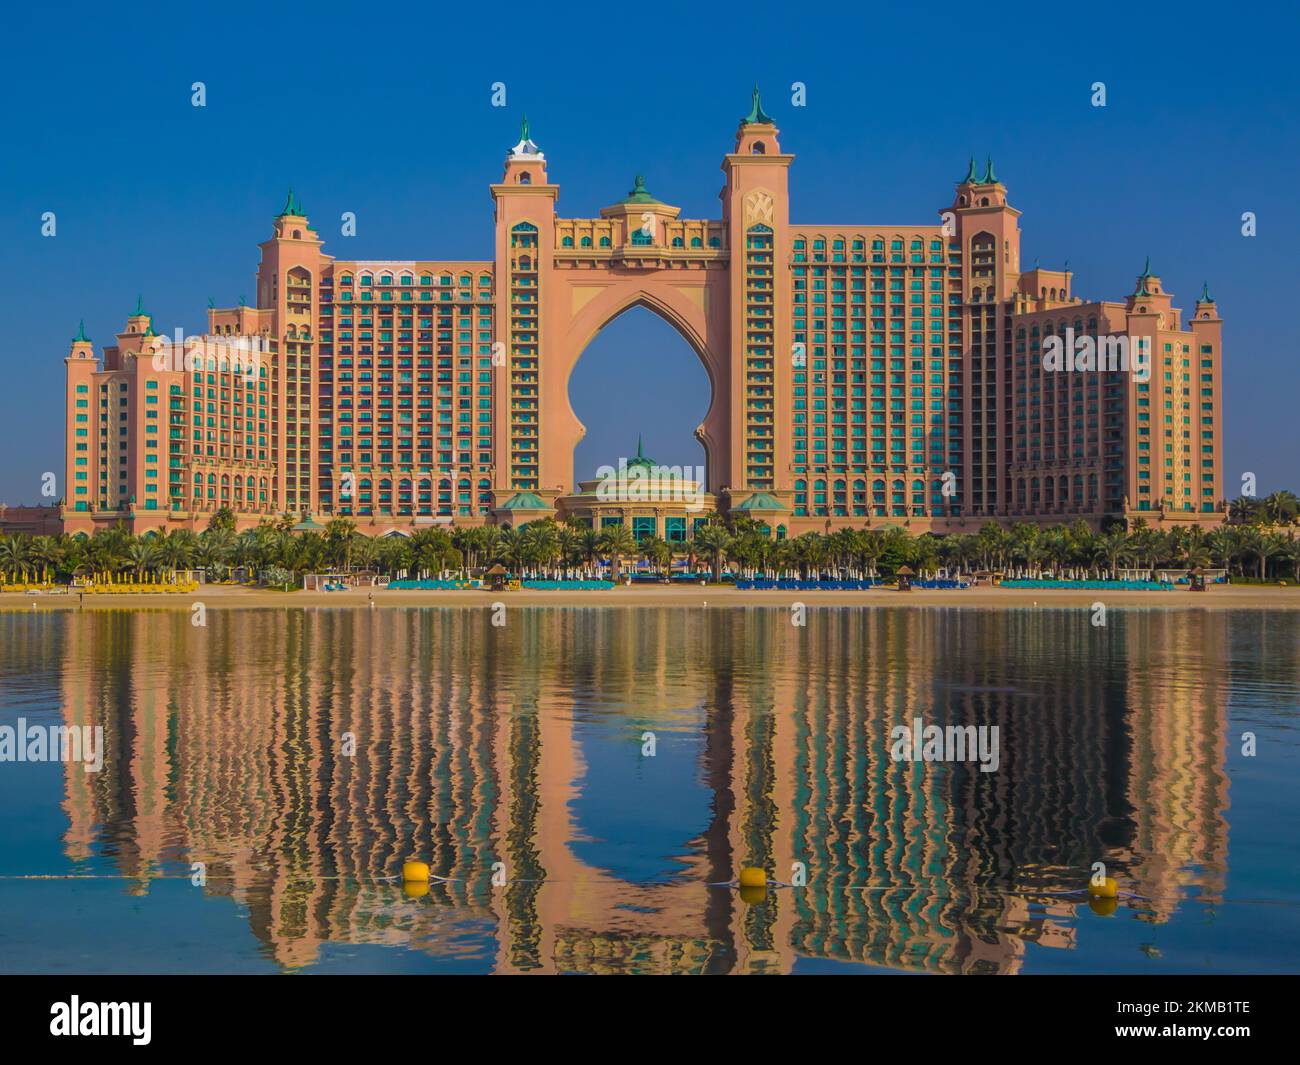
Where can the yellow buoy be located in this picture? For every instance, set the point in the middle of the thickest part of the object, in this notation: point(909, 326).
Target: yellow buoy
point(751, 877)
point(1103, 907)
point(1103, 889)
point(415, 873)
point(751, 896)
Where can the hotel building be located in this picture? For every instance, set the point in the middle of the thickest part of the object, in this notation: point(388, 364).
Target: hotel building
point(860, 374)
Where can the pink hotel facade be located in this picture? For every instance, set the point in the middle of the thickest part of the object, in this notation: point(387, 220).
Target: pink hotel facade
point(852, 367)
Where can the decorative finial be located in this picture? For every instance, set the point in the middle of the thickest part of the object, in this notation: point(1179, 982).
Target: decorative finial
point(523, 130)
point(1142, 289)
point(81, 337)
point(990, 178)
point(639, 452)
point(971, 177)
point(288, 204)
point(1205, 294)
point(241, 302)
point(140, 312)
point(756, 112)
point(212, 304)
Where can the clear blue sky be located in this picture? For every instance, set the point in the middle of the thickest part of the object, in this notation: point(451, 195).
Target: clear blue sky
point(386, 111)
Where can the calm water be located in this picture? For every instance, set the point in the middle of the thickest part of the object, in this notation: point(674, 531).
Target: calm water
point(525, 746)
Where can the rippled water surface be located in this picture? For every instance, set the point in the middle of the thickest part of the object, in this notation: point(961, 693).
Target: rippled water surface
point(586, 781)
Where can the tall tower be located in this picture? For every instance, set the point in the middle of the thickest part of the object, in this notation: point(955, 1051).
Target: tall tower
point(80, 484)
point(756, 219)
point(988, 233)
point(525, 253)
point(1207, 358)
point(288, 280)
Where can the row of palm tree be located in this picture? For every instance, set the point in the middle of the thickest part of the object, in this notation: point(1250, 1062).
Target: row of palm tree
point(1279, 508)
point(740, 546)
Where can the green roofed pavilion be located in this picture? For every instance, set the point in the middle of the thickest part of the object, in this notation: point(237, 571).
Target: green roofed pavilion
point(760, 502)
point(639, 193)
point(525, 501)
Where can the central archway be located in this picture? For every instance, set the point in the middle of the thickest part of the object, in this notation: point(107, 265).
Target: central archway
point(693, 305)
point(638, 377)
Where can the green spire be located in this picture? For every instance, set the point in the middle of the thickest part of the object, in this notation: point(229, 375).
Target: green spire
point(292, 206)
point(140, 312)
point(81, 337)
point(1205, 294)
point(756, 112)
point(990, 178)
point(641, 458)
point(523, 131)
point(1142, 278)
point(971, 177)
point(212, 303)
point(241, 302)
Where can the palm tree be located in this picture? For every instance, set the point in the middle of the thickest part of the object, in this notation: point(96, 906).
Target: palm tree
point(992, 539)
point(1264, 546)
point(1245, 510)
point(1114, 545)
point(340, 534)
point(1224, 546)
point(659, 552)
point(509, 549)
point(615, 542)
point(1281, 507)
point(142, 556)
point(541, 543)
point(712, 539)
point(13, 556)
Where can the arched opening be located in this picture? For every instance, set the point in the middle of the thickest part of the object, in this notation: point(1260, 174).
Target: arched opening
point(639, 376)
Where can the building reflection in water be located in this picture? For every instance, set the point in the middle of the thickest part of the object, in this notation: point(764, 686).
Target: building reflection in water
point(473, 746)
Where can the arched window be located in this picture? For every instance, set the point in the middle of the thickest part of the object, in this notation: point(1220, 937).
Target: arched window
point(567, 242)
point(525, 178)
point(759, 148)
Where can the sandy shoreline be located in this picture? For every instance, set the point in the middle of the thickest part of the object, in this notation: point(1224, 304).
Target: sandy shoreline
point(1238, 597)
